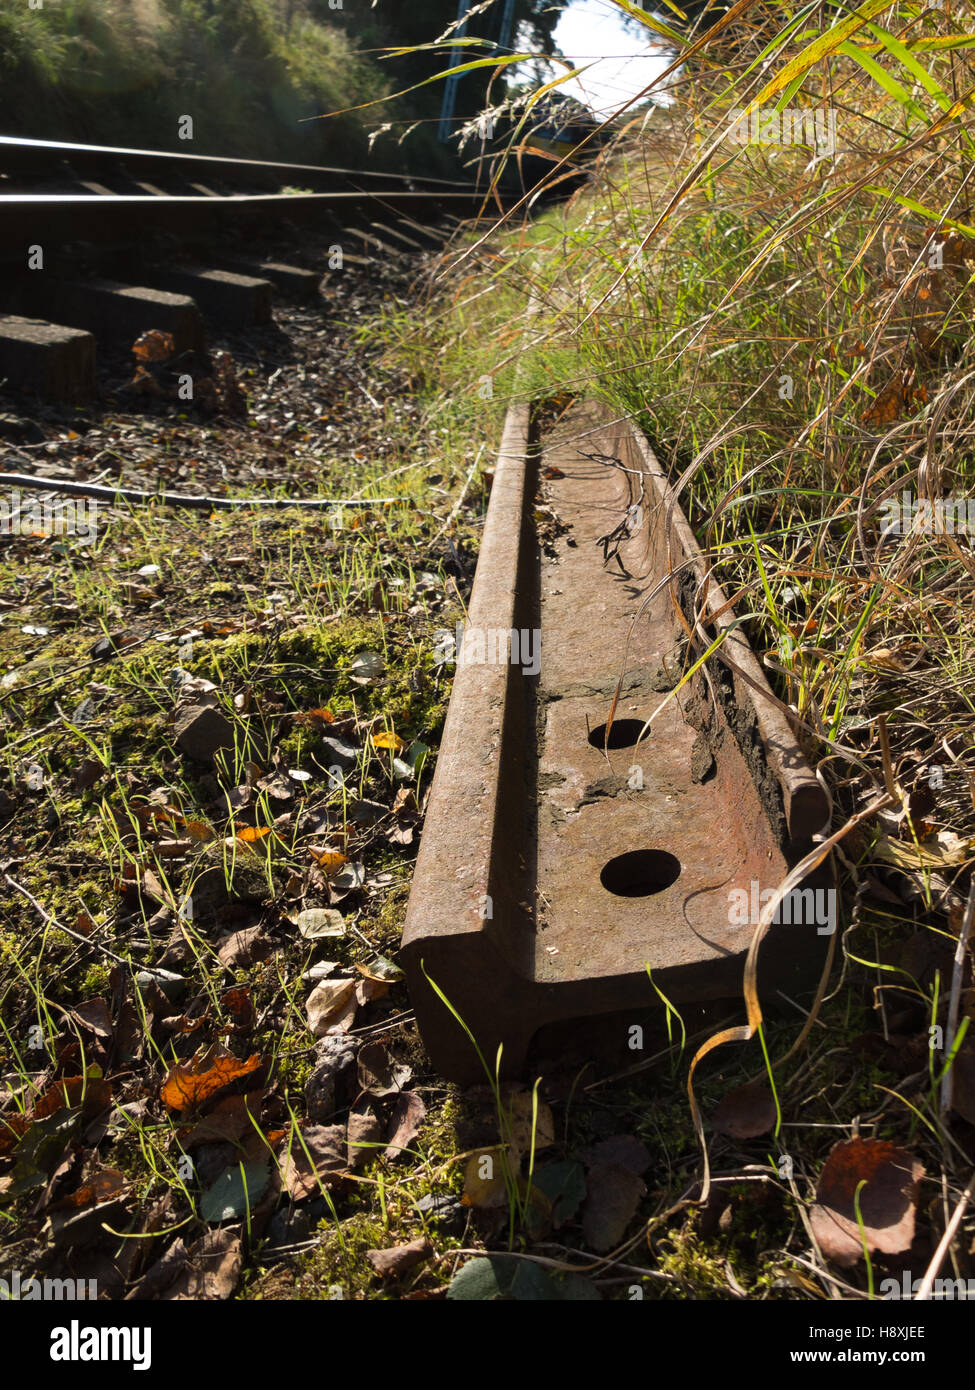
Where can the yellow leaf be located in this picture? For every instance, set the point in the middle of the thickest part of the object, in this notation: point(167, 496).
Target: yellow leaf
point(329, 860)
point(389, 740)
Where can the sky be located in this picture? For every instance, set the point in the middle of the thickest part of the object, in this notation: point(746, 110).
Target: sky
point(592, 28)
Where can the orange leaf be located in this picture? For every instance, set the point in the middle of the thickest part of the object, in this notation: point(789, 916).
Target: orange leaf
point(93, 1092)
point(99, 1188)
point(887, 405)
point(154, 346)
point(186, 1087)
point(252, 833)
point(325, 715)
point(198, 830)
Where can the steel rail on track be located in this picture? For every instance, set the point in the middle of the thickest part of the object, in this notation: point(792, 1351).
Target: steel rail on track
point(69, 217)
point(17, 150)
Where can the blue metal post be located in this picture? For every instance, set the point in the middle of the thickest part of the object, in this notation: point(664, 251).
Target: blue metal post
point(507, 24)
point(450, 92)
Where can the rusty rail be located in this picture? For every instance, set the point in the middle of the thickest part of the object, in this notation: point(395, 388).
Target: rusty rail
point(554, 870)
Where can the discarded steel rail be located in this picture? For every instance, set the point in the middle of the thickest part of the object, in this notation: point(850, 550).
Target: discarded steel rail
point(557, 864)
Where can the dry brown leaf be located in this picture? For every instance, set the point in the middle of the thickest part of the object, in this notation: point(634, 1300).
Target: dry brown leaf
point(227, 1123)
point(614, 1193)
point(212, 1268)
point(328, 1006)
point(406, 1117)
point(746, 1111)
point(94, 1015)
point(390, 1264)
point(328, 1154)
point(890, 1178)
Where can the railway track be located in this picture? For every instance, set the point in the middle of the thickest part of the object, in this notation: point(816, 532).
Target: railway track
point(100, 244)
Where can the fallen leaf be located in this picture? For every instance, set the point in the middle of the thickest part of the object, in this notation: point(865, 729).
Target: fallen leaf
point(252, 833)
point(239, 1003)
point(328, 1005)
point(91, 1092)
point(237, 1190)
point(624, 1149)
point(228, 1122)
point(154, 346)
point(320, 716)
point(941, 851)
point(364, 1136)
point(243, 948)
point(379, 1074)
point(614, 1193)
point(891, 1179)
point(496, 1278)
point(482, 1280)
point(187, 1087)
point(325, 1163)
point(487, 1176)
point(388, 741)
point(328, 860)
point(366, 667)
point(405, 1120)
point(530, 1128)
point(106, 1183)
point(350, 877)
point(318, 922)
point(367, 990)
point(379, 968)
point(746, 1111)
point(212, 1268)
point(390, 1264)
point(198, 830)
point(94, 1015)
point(564, 1184)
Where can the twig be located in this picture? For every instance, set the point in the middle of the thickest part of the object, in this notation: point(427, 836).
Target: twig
point(924, 1292)
point(59, 926)
point(181, 499)
point(460, 500)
